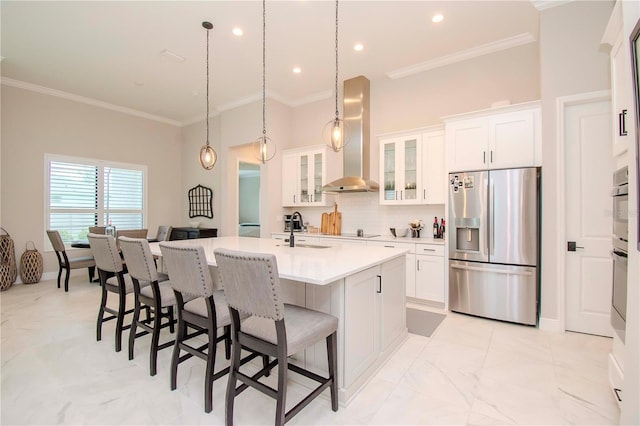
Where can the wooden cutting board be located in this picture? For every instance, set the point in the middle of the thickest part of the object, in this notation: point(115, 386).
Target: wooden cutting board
point(335, 221)
point(324, 224)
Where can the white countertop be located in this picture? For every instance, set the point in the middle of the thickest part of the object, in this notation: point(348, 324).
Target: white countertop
point(311, 265)
point(389, 238)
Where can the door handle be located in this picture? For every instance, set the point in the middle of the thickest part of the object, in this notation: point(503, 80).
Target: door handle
point(622, 123)
point(571, 246)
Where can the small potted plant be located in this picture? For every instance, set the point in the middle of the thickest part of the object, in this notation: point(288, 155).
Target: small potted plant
point(416, 225)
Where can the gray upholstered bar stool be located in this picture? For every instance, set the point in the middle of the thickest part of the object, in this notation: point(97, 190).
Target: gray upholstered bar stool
point(158, 296)
point(200, 306)
point(112, 280)
point(252, 286)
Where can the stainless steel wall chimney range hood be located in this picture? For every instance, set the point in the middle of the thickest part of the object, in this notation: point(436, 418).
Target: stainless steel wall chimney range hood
point(356, 154)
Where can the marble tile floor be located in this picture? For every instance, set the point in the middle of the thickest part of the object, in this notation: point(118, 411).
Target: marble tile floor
point(470, 371)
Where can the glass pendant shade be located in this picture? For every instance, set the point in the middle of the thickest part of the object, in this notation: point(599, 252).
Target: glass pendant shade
point(264, 149)
point(336, 134)
point(208, 157)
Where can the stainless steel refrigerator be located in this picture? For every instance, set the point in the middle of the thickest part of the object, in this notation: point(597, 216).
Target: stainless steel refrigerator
point(494, 244)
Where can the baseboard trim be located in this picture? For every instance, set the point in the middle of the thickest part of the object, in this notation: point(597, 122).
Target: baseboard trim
point(550, 324)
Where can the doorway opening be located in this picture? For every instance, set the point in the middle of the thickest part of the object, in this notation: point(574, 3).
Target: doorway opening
point(248, 199)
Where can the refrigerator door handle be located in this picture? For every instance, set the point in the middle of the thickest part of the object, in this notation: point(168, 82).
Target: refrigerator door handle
point(492, 219)
point(493, 271)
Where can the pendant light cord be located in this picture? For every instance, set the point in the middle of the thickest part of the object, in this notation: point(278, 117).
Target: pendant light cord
point(264, 50)
point(207, 117)
point(337, 113)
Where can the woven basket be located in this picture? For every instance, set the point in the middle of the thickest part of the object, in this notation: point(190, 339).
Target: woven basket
point(8, 268)
point(31, 265)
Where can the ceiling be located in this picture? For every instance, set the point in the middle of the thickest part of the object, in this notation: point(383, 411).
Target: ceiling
point(110, 51)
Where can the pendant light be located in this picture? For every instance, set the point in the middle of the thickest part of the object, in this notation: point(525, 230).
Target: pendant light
point(265, 149)
point(208, 155)
point(336, 132)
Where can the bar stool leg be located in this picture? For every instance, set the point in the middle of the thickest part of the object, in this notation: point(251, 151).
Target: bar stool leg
point(332, 344)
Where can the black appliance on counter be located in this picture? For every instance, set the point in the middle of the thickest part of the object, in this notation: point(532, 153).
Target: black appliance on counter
point(297, 223)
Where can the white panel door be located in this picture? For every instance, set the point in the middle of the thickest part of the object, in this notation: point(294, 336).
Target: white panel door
point(588, 217)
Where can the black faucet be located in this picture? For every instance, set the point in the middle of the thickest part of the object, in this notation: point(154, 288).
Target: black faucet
point(291, 237)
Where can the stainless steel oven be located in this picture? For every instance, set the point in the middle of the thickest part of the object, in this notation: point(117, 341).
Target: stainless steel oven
point(620, 196)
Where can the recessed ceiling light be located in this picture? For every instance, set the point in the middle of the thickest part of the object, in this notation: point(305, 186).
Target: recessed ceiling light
point(297, 70)
point(358, 47)
point(237, 31)
point(437, 18)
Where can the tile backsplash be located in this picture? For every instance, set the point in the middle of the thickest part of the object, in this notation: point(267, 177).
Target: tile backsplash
point(363, 211)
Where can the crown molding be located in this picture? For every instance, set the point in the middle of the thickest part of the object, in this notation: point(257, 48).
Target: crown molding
point(463, 55)
point(88, 101)
point(548, 4)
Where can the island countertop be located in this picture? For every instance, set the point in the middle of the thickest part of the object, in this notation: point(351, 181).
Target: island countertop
point(311, 265)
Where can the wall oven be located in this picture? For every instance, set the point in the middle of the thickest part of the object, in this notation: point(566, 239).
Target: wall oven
point(620, 196)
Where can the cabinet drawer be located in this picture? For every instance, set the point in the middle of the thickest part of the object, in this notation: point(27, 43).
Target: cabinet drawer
point(430, 249)
point(390, 244)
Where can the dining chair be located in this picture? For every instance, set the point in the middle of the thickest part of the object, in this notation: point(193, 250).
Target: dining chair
point(164, 233)
point(252, 286)
point(112, 280)
point(158, 296)
point(66, 264)
point(131, 233)
point(97, 229)
point(200, 306)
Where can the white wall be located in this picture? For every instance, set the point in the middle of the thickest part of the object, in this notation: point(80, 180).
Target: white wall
point(571, 62)
point(34, 124)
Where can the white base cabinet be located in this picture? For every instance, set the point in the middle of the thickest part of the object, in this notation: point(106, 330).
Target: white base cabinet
point(424, 270)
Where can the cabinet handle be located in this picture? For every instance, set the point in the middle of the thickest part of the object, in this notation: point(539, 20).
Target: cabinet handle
point(294, 199)
point(424, 194)
point(616, 390)
point(396, 195)
point(418, 263)
point(622, 123)
point(400, 195)
point(492, 156)
point(379, 284)
point(428, 249)
point(391, 246)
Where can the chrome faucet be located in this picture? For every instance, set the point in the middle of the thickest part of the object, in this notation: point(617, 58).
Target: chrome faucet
point(291, 237)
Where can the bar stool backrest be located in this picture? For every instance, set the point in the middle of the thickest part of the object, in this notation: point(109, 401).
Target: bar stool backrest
point(139, 259)
point(56, 240)
point(251, 282)
point(187, 269)
point(105, 252)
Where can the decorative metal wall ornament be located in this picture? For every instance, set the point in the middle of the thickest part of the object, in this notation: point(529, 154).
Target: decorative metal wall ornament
point(208, 156)
point(265, 148)
point(336, 132)
point(201, 202)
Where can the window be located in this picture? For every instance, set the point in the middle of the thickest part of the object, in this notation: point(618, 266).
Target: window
point(83, 193)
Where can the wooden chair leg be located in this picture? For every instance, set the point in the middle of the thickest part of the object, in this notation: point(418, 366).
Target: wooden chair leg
point(175, 357)
point(66, 279)
point(92, 270)
point(134, 326)
point(231, 383)
point(227, 342)
point(155, 338)
point(208, 377)
point(59, 275)
point(282, 389)
point(103, 303)
point(120, 320)
point(172, 320)
point(332, 354)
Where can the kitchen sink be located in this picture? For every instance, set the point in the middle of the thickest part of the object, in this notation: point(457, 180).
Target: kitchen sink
point(305, 246)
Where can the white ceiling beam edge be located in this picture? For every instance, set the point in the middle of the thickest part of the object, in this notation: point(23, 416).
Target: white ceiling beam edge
point(463, 55)
point(89, 101)
point(548, 4)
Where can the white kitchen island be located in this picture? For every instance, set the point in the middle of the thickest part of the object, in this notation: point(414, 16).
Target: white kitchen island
point(364, 287)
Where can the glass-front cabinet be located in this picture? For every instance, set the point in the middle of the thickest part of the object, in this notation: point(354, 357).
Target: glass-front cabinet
point(401, 176)
point(304, 173)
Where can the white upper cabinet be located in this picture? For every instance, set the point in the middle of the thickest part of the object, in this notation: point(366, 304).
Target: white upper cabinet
point(412, 167)
point(434, 175)
point(505, 137)
point(399, 162)
point(304, 172)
